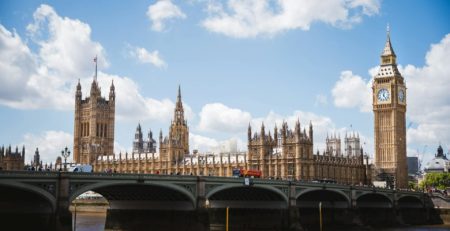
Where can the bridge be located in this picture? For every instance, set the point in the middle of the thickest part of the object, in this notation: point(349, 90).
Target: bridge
point(199, 202)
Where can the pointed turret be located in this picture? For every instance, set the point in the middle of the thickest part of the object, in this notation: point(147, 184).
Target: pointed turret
point(179, 111)
point(310, 131)
point(78, 93)
point(112, 91)
point(249, 132)
point(95, 90)
point(388, 51)
point(275, 133)
point(388, 65)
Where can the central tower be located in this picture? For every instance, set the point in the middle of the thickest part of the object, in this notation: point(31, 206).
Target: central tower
point(94, 123)
point(176, 146)
point(389, 107)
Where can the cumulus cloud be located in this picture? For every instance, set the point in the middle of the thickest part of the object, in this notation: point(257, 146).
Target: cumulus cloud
point(206, 144)
point(218, 117)
point(252, 18)
point(427, 95)
point(145, 56)
point(352, 91)
point(131, 105)
point(50, 144)
point(162, 11)
point(47, 79)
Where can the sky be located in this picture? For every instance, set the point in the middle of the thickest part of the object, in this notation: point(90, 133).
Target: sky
point(237, 62)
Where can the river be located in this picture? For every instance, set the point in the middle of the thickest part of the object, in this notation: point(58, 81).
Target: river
point(95, 221)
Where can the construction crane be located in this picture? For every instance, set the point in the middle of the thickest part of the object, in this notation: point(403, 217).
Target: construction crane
point(420, 156)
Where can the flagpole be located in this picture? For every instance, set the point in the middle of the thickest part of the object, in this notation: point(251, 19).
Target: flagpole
point(95, 61)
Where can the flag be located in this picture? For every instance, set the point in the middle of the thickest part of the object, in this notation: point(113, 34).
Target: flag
point(95, 59)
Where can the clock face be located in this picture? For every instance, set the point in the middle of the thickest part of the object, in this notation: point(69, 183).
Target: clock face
point(401, 95)
point(383, 94)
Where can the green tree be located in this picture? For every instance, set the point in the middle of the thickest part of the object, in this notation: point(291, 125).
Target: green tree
point(437, 180)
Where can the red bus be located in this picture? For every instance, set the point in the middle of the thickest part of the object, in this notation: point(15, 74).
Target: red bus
point(246, 173)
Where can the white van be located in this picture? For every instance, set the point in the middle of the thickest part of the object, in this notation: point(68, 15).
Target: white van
point(81, 168)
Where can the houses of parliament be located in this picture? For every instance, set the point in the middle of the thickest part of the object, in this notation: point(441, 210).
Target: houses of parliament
point(284, 153)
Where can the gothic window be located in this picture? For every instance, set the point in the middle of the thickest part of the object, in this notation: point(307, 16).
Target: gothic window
point(105, 131)
point(290, 169)
point(97, 130)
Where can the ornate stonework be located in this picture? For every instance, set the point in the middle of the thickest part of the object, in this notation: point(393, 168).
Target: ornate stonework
point(94, 124)
point(12, 160)
point(389, 107)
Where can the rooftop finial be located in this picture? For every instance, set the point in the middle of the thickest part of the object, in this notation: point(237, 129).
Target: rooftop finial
point(388, 31)
point(95, 61)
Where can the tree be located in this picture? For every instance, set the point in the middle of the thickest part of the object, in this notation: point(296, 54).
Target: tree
point(437, 180)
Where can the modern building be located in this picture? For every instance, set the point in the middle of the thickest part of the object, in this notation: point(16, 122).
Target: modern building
point(389, 107)
point(94, 123)
point(12, 160)
point(413, 165)
point(439, 163)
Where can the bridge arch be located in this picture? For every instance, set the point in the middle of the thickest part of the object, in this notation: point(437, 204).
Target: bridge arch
point(408, 201)
point(247, 196)
point(26, 206)
point(177, 191)
point(374, 200)
point(32, 189)
point(328, 196)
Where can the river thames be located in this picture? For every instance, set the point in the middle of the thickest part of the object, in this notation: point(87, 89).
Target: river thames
point(95, 221)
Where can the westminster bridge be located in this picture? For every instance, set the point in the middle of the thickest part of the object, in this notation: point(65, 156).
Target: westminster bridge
point(178, 202)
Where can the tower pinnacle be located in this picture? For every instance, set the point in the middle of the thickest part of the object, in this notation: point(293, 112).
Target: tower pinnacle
point(388, 51)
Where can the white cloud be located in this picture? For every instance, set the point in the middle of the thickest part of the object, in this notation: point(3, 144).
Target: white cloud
point(352, 91)
point(427, 95)
point(162, 11)
point(50, 144)
point(205, 144)
point(144, 56)
point(47, 79)
point(252, 18)
point(131, 105)
point(217, 117)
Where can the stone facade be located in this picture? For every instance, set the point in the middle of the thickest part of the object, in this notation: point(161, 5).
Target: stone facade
point(94, 124)
point(10, 160)
point(141, 146)
point(389, 107)
point(288, 154)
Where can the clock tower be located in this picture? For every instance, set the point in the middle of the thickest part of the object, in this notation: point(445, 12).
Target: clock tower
point(389, 107)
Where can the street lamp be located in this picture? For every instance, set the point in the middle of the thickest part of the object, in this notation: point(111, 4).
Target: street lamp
point(65, 153)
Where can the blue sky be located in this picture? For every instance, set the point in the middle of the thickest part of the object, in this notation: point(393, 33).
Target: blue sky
point(238, 62)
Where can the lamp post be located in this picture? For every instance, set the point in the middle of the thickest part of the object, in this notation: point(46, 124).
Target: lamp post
point(65, 153)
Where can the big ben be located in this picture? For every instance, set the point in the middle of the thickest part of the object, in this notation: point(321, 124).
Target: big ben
point(389, 107)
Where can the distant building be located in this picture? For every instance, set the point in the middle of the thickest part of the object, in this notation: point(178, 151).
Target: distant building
point(36, 162)
point(413, 165)
point(10, 160)
point(439, 163)
point(141, 146)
